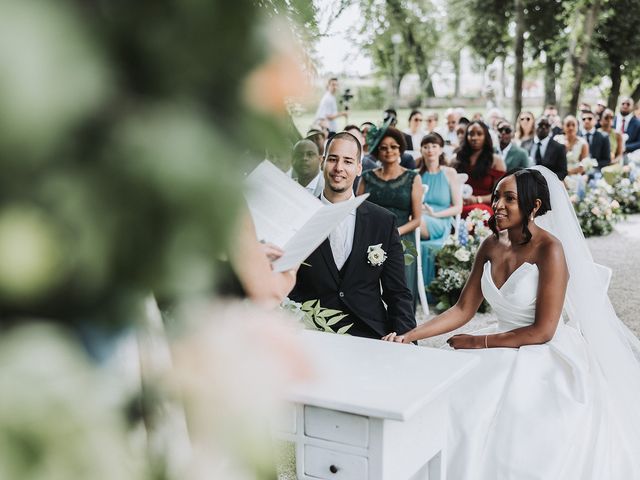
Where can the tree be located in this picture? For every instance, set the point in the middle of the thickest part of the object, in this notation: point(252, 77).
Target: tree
point(414, 21)
point(579, 45)
point(619, 44)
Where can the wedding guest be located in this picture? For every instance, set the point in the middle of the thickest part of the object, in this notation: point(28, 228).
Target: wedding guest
point(305, 167)
point(598, 142)
point(397, 189)
point(615, 138)
point(415, 130)
point(476, 158)
point(432, 122)
point(448, 133)
point(318, 136)
point(359, 269)
point(551, 112)
point(601, 106)
point(555, 390)
point(576, 148)
point(525, 130)
point(442, 202)
point(546, 151)
point(513, 155)
point(369, 161)
point(628, 125)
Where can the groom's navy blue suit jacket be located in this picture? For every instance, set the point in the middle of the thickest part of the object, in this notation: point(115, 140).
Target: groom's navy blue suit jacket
point(356, 288)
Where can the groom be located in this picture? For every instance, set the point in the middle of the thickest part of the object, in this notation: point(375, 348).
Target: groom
point(361, 264)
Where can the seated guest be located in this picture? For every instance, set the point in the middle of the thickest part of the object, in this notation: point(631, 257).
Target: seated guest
point(442, 202)
point(551, 112)
point(599, 148)
point(513, 155)
point(525, 130)
point(359, 269)
point(616, 142)
point(576, 147)
point(369, 162)
point(476, 158)
point(397, 189)
point(546, 151)
point(415, 130)
point(448, 133)
point(432, 122)
point(318, 136)
point(305, 167)
point(628, 125)
point(391, 120)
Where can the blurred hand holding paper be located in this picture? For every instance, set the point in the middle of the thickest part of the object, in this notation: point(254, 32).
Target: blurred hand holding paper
point(286, 215)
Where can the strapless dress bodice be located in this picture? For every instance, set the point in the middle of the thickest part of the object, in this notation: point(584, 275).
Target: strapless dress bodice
point(514, 303)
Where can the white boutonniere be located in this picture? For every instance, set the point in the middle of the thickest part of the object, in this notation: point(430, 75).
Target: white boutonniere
point(376, 255)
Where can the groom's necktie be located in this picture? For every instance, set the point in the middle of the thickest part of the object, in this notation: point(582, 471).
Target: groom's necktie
point(589, 138)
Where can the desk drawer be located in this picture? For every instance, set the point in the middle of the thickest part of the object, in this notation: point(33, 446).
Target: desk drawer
point(336, 426)
point(328, 464)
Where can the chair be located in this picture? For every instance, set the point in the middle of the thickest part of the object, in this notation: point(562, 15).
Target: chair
point(462, 180)
point(420, 279)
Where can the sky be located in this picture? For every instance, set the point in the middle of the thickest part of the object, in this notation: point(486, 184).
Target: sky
point(337, 54)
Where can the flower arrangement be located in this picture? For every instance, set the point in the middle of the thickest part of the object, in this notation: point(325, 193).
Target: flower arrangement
point(455, 259)
point(626, 186)
point(597, 211)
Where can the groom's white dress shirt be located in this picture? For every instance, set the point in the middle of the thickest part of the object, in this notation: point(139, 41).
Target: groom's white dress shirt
point(341, 238)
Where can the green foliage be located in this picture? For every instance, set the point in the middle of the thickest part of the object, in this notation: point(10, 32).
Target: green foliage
point(369, 98)
point(315, 317)
point(123, 143)
point(410, 252)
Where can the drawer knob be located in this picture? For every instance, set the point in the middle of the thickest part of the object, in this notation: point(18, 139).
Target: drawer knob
point(333, 469)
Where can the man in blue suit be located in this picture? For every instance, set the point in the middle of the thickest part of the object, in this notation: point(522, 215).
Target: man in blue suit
point(599, 147)
point(628, 125)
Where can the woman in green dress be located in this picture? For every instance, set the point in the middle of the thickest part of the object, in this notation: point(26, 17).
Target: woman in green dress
point(397, 189)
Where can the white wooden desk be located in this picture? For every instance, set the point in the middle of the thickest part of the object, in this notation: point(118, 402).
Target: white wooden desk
point(376, 410)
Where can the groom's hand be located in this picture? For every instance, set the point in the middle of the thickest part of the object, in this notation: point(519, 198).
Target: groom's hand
point(393, 337)
point(465, 341)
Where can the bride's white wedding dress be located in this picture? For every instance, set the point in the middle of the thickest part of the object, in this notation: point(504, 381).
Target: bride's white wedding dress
point(568, 409)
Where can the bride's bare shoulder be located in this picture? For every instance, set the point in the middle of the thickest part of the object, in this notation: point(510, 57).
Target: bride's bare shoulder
point(549, 249)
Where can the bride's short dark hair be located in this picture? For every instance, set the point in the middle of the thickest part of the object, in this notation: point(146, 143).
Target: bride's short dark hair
point(531, 185)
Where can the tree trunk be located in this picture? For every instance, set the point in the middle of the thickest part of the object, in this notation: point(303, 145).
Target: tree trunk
point(503, 77)
point(456, 72)
point(615, 72)
point(635, 94)
point(579, 58)
point(550, 82)
point(519, 54)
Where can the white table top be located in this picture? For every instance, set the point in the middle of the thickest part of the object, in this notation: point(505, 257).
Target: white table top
point(375, 378)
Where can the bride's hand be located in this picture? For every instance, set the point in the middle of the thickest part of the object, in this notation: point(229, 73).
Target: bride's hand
point(465, 341)
point(393, 337)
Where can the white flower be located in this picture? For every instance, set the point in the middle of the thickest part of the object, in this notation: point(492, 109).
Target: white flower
point(376, 255)
point(451, 240)
point(625, 182)
point(595, 211)
point(615, 204)
point(462, 254)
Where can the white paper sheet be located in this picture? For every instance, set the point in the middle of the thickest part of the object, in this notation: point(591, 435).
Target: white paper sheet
point(285, 214)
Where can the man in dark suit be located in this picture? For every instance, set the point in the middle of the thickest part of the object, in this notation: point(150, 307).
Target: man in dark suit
point(599, 147)
point(546, 151)
point(360, 268)
point(628, 125)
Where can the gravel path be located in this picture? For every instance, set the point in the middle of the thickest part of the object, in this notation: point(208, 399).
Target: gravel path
point(619, 251)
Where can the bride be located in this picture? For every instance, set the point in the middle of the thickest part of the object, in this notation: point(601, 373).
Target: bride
point(557, 392)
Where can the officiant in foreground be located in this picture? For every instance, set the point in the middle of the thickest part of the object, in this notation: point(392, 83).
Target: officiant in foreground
point(360, 268)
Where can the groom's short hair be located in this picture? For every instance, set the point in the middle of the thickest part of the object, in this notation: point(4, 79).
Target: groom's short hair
point(344, 136)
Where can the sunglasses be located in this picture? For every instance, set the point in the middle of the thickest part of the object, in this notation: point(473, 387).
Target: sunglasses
point(416, 119)
point(585, 119)
point(505, 130)
point(526, 119)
